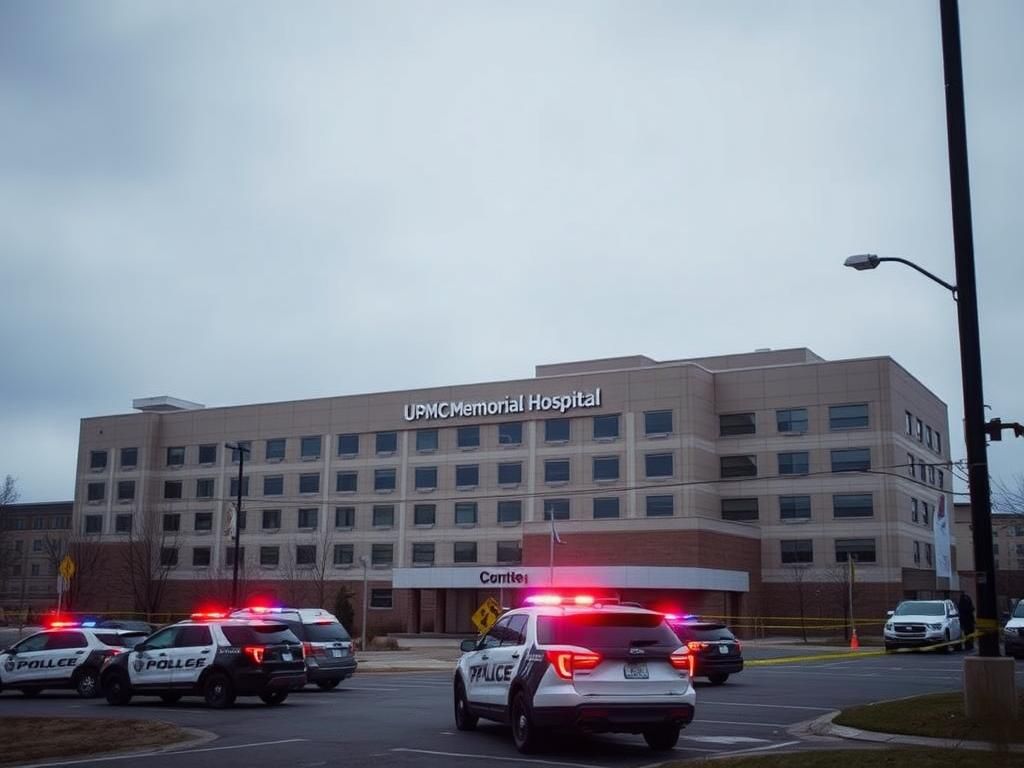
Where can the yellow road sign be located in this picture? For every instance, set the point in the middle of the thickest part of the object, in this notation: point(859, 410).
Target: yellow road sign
point(486, 614)
point(67, 568)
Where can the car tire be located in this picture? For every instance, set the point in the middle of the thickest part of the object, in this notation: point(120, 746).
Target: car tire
point(218, 691)
point(328, 685)
point(525, 735)
point(464, 719)
point(273, 698)
point(947, 648)
point(170, 698)
point(662, 738)
point(117, 689)
point(718, 678)
point(87, 683)
point(31, 693)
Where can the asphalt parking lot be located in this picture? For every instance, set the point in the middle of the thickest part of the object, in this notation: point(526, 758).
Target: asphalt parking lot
point(404, 719)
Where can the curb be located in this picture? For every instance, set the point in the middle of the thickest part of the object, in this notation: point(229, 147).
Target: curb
point(823, 726)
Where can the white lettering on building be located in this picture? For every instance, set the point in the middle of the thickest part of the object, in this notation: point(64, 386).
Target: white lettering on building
point(509, 405)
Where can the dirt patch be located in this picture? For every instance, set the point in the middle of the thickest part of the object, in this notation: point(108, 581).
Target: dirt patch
point(28, 739)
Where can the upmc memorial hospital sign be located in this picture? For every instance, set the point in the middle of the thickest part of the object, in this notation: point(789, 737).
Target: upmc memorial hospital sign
point(454, 409)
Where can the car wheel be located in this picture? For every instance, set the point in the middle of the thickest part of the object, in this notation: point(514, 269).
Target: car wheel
point(87, 684)
point(328, 685)
point(117, 690)
point(464, 719)
point(525, 736)
point(31, 693)
point(663, 738)
point(170, 698)
point(273, 698)
point(718, 678)
point(947, 648)
point(218, 691)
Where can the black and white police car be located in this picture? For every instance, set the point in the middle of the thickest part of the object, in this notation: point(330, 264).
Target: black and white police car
point(212, 656)
point(65, 655)
point(573, 663)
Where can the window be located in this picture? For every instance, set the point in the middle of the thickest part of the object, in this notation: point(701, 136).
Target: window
point(203, 521)
point(467, 475)
point(795, 463)
point(510, 552)
point(464, 552)
point(911, 468)
point(606, 468)
point(465, 513)
point(176, 456)
point(658, 464)
point(920, 431)
point(917, 551)
point(309, 483)
point(200, 557)
point(926, 516)
point(928, 553)
point(606, 508)
point(928, 436)
point(557, 509)
point(344, 517)
point(924, 470)
point(851, 459)
point(229, 556)
point(343, 554)
point(129, 458)
point(125, 490)
point(426, 440)
point(913, 510)
point(467, 437)
point(348, 445)
point(38, 523)
point(794, 507)
point(510, 473)
point(168, 557)
point(852, 505)
point(310, 447)
point(426, 478)
point(37, 545)
point(208, 454)
point(556, 471)
point(380, 598)
point(606, 427)
point(383, 516)
point(270, 557)
point(172, 489)
point(791, 420)
point(931, 474)
point(34, 569)
point(94, 523)
point(940, 478)
point(384, 479)
point(848, 416)
point(387, 442)
point(305, 554)
point(346, 482)
point(204, 488)
point(797, 551)
point(271, 519)
point(424, 514)
point(909, 423)
point(242, 446)
point(423, 553)
point(234, 487)
point(658, 422)
point(736, 424)
point(382, 554)
point(510, 512)
point(510, 433)
point(738, 466)
point(309, 517)
point(97, 459)
point(123, 524)
point(95, 491)
point(861, 550)
point(938, 441)
point(273, 485)
point(660, 506)
point(556, 431)
point(276, 449)
point(739, 509)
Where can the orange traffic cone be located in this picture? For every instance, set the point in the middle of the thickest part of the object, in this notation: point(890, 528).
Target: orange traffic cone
point(854, 642)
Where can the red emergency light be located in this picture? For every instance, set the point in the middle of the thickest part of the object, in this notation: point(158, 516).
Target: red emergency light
point(61, 624)
point(203, 615)
point(560, 600)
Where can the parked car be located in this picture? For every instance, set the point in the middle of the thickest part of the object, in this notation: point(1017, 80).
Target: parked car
point(1013, 633)
point(716, 651)
point(923, 623)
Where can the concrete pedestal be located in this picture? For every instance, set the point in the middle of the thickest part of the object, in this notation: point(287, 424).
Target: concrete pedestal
point(990, 690)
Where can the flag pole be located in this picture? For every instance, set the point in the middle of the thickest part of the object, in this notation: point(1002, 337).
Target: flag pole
point(551, 552)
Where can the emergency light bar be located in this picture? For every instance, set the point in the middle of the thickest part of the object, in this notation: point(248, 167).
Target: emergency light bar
point(560, 600)
point(62, 624)
point(208, 615)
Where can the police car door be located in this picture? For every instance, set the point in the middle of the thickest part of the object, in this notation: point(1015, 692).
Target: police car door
point(480, 688)
point(150, 663)
point(22, 662)
point(505, 659)
point(193, 651)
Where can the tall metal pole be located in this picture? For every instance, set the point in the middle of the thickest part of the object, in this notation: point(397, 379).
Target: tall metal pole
point(242, 450)
point(362, 628)
point(970, 343)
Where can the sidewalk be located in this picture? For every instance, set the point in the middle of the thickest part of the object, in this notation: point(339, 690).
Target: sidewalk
point(823, 726)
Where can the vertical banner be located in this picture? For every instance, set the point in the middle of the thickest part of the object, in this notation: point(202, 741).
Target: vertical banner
point(940, 528)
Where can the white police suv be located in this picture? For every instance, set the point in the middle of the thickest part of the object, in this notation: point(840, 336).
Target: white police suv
point(65, 655)
point(574, 663)
point(212, 656)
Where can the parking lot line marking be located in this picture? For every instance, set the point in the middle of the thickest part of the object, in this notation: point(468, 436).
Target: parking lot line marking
point(163, 753)
point(771, 706)
point(760, 749)
point(752, 725)
point(534, 761)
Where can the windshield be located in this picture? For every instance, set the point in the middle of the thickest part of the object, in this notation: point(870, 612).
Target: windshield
point(921, 608)
point(702, 632)
point(1018, 612)
point(259, 634)
point(125, 640)
point(605, 630)
point(325, 632)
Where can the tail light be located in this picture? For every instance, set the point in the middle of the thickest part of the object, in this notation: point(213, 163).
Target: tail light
point(255, 653)
point(308, 649)
point(739, 647)
point(696, 645)
point(682, 659)
point(568, 661)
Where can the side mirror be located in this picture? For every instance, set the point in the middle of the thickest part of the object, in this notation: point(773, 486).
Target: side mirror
point(141, 648)
point(953, 614)
point(890, 613)
point(467, 645)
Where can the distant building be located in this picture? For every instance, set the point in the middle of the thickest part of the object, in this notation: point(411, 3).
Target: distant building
point(1007, 550)
point(32, 539)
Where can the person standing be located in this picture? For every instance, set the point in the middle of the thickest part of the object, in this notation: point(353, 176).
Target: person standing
point(966, 609)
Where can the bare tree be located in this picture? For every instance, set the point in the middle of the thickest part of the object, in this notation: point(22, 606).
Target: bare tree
point(323, 560)
point(797, 575)
point(86, 553)
point(8, 556)
point(147, 563)
point(1008, 497)
point(839, 576)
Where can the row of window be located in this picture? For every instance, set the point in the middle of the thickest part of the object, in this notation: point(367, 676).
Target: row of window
point(921, 511)
point(924, 433)
point(37, 523)
point(844, 505)
point(38, 546)
point(927, 553)
point(789, 420)
point(929, 472)
point(34, 569)
point(801, 551)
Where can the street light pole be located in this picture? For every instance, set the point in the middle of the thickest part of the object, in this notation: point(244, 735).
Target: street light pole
point(362, 627)
point(242, 450)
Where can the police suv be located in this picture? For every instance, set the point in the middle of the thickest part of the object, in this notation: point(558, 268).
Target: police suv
point(577, 664)
point(66, 655)
point(211, 656)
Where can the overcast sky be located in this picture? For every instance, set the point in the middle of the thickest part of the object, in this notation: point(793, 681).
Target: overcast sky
point(239, 202)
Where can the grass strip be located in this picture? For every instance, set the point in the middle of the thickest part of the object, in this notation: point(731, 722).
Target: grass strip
point(30, 739)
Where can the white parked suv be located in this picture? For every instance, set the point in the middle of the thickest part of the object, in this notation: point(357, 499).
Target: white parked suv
point(574, 664)
point(921, 623)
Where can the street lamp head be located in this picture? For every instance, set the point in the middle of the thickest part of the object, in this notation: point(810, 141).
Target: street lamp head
point(862, 261)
